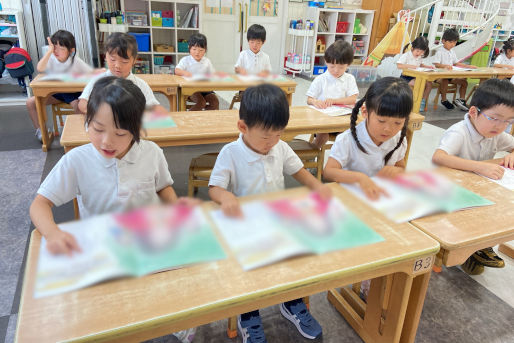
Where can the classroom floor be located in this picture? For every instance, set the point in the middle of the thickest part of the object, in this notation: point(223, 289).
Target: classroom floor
point(458, 307)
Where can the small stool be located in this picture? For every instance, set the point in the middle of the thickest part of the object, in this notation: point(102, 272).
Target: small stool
point(200, 171)
point(59, 110)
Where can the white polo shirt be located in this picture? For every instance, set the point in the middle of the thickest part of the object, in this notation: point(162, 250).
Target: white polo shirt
point(444, 56)
point(325, 86)
point(502, 59)
point(103, 185)
point(202, 67)
point(147, 91)
point(350, 157)
point(408, 58)
point(77, 67)
point(253, 63)
point(242, 171)
point(463, 140)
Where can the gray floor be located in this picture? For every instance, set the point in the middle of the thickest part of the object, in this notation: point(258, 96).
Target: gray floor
point(458, 308)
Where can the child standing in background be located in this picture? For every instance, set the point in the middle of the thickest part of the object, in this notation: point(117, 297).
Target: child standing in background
point(377, 145)
point(412, 60)
point(467, 144)
point(253, 61)
point(197, 64)
point(334, 86)
point(60, 58)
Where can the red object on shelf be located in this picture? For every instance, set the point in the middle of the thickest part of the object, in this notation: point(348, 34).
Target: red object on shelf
point(342, 26)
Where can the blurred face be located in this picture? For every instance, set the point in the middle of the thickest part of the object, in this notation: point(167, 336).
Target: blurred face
point(336, 70)
point(448, 45)
point(119, 66)
point(381, 128)
point(255, 45)
point(258, 139)
point(509, 53)
point(110, 141)
point(492, 121)
point(62, 53)
point(197, 53)
point(417, 53)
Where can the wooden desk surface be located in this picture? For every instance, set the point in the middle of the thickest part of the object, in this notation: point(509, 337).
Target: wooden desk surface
point(231, 85)
point(488, 72)
point(473, 227)
point(162, 303)
point(206, 127)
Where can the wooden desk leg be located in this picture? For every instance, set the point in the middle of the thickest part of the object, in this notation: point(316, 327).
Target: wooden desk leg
point(232, 327)
point(409, 135)
point(417, 93)
point(41, 116)
point(507, 249)
point(438, 263)
point(290, 98)
point(182, 101)
point(76, 208)
point(414, 308)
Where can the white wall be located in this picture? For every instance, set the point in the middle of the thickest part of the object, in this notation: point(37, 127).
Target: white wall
point(12, 4)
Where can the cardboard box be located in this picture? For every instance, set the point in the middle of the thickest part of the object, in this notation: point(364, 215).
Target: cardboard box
point(163, 48)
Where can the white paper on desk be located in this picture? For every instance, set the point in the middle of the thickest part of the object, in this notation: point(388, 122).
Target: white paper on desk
point(334, 111)
point(424, 69)
point(253, 77)
point(213, 3)
point(461, 69)
point(507, 180)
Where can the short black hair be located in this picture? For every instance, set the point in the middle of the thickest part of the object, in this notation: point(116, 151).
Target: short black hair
point(265, 106)
point(120, 44)
point(508, 45)
point(421, 43)
point(256, 31)
point(340, 52)
point(197, 39)
point(451, 35)
point(126, 100)
point(493, 92)
point(63, 38)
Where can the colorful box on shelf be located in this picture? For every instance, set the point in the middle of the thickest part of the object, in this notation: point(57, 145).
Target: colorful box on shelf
point(137, 18)
point(363, 74)
point(143, 41)
point(342, 26)
point(158, 60)
point(358, 47)
point(317, 70)
point(182, 47)
point(156, 18)
point(316, 4)
point(167, 22)
point(167, 14)
point(163, 48)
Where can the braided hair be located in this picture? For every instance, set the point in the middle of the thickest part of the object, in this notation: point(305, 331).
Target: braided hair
point(387, 97)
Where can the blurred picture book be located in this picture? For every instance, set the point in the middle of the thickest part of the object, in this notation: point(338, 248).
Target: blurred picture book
point(216, 77)
point(271, 231)
point(418, 194)
point(70, 77)
point(157, 120)
point(144, 241)
point(507, 180)
point(334, 111)
point(269, 78)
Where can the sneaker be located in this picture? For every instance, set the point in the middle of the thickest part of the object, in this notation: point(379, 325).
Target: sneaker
point(461, 103)
point(39, 135)
point(447, 104)
point(472, 266)
point(251, 329)
point(488, 258)
point(422, 106)
point(186, 336)
point(298, 314)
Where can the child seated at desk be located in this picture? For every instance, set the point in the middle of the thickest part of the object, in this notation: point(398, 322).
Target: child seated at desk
point(253, 60)
point(121, 54)
point(412, 60)
point(506, 58)
point(445, 58)
point(334, 86)
point(197, 64)
point(254, 164)
point(59, 58)
point(467, 144)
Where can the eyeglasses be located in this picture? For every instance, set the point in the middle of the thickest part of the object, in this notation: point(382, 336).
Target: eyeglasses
point(496, 121)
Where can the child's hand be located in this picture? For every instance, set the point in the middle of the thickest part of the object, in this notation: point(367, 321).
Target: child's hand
point(390, 171)
point(324, 191)
point(187, 73)
point(508, 161)
point(449, 67)
point(369, 188)
point(50, 46)
point(230, 205)
point(492, 171)
point(320, 104)
point(330, 102)
point(62, 242)
point(472, 66)
point(263, 73)
point(242, 71)
point(186, 201)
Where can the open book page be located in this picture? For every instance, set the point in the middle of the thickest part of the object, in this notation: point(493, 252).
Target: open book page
point(424, 69)
point(216, 77)
point(135, 243)
point(461, 68)
point(69, 77)
point(507, 180)
point(274, 230)
point(269, 78)
point(334, 111)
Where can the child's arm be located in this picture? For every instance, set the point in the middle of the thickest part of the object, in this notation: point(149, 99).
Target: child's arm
point(168, 196)
point(264, 73)
point(490, 170)
point(241, 70)
point(228, 201)
point(443, 66)
point(426, 66)
point(349, 100)
point(464, 65)
point(392, 171)
point(334, 172)
point(181, 72)
point(58, 241)
point(508, 161)
point(41, 65)
point(82, 105)
point(405, 66)
point(508, 66)
point(316, 103)
point(307, 179)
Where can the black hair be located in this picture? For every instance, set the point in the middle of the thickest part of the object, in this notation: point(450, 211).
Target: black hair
point(265, 106)
point(256, 31)
point(420, 43)
point(66, 39)
point(126, 100)
point(387, 97)
point(197, 39)
point(451, 35)
point(120, 44)
point(493, 92)
point(508, 45)
point(339, 52)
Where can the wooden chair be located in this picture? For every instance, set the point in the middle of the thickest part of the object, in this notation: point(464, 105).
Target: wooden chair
point(471, 92)
point(190, 103)
point(311, 157)
point(452, 88)
point(200, 171)
point(59, 110)
point(237, 98)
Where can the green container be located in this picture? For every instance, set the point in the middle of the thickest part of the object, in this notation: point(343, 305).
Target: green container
point(182, 47)
point(156, 21)
point(357, 26)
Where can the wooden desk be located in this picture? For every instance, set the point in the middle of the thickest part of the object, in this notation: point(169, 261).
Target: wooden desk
point(188, 88)
point(136, 309)
point(423, 76)
point(162, 83)
point(462, 233)
point(207, 127)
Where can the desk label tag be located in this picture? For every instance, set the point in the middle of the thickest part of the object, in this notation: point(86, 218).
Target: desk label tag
point(423, 264)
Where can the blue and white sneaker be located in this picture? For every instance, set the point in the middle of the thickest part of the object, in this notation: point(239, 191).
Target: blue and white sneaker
point(298, 314)
point(251, 329)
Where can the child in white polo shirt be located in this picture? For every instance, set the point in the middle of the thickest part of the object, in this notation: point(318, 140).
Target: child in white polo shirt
point(467, 144)
point(197, 64)
point(254, 164)
point(446, 58)
point(506, 58)
point(334, 86)
point(253, 61)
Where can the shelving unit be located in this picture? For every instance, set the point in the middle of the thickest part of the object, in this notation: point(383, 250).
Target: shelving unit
point(506, 30)
point(169, 36)
point(298, 47)
point(360, 41)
